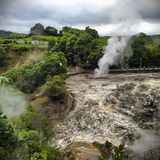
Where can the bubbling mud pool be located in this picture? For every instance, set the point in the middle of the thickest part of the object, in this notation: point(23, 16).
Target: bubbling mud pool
point(120, 108)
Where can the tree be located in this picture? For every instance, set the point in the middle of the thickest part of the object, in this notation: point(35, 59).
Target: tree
point(51, 44)
point(84, 38)
point(80, 46)
point(55, 88)
point(70, 52)
point(92, 32)
point(50, 31)
point(71, 30)
point(29, 76)
point(34, 130)
point(37, 29)
point(3, 56)
point(4, 80)
point(34, 120)
point(139, 51)
point(31, 140)
point(8, 138)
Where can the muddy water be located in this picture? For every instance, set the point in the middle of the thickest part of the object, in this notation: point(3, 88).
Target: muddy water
point(118, 108)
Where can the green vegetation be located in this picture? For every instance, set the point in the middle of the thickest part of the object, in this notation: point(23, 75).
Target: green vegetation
point(20, 48)
point(51, 31)
point(55, 88)
point(82, 48)
point(35, 121)
point(37, 29)
point(5, 81)
point(27, 137)
point(29, 76)
point(17, 36)
point(5, 34)
point(3, 56)
point(145, 49)
point(112, 152)
point(44, 38)
point(8, 140)
point(92, 32)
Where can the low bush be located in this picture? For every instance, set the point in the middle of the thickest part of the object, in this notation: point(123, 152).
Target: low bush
point(34, 131)
point(21, 47)
point(29, 76)
point(17, 36)
point(3, 56)
point(55, 88)
point(44, 38)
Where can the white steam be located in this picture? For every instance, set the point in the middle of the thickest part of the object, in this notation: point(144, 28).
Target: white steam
point(12, 102)
point(145, 143)
point(126, 20)
point(117, 50)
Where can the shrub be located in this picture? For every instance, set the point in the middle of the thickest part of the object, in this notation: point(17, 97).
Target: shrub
point(43, 38)
point(35, 120)
point(34, 132)
point(47, 153)
point(31, 140)
point(37, 29)
point(51, 31)
point(4, 80)
point(8, 139)
point(92, 32)
point(21, 47)
point(17, 36)
point(3, 56)
point(7, 41)
point(55, 88)
point(112, 152)
point(79, 46)
point(29, 76)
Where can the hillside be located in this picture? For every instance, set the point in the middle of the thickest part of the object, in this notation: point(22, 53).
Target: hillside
point(4, 34)
point(51, 115)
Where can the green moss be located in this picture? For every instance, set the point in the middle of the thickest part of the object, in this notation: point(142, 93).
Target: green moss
point(39, 101)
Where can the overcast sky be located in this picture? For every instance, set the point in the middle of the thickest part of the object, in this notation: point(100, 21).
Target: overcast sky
point(109, 17)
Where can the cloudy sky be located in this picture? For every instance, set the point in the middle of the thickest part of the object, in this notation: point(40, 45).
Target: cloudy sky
point(109, 17)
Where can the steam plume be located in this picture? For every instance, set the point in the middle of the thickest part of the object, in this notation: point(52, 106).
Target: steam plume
point(143, 145)
point(115, 53)
point(12, 102)
point(126, 18)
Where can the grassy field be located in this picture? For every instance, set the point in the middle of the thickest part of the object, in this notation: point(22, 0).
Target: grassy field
point(22, 48)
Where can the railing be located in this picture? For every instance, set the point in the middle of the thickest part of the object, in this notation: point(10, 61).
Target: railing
point(118, 71)
point(135, 70)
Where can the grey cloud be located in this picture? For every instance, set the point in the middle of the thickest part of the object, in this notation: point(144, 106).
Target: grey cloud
point(149, 9)
point(24, 14)
point(60, 15)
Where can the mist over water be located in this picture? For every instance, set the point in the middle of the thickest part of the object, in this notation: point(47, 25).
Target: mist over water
point(12, 102)
point(115, 53)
